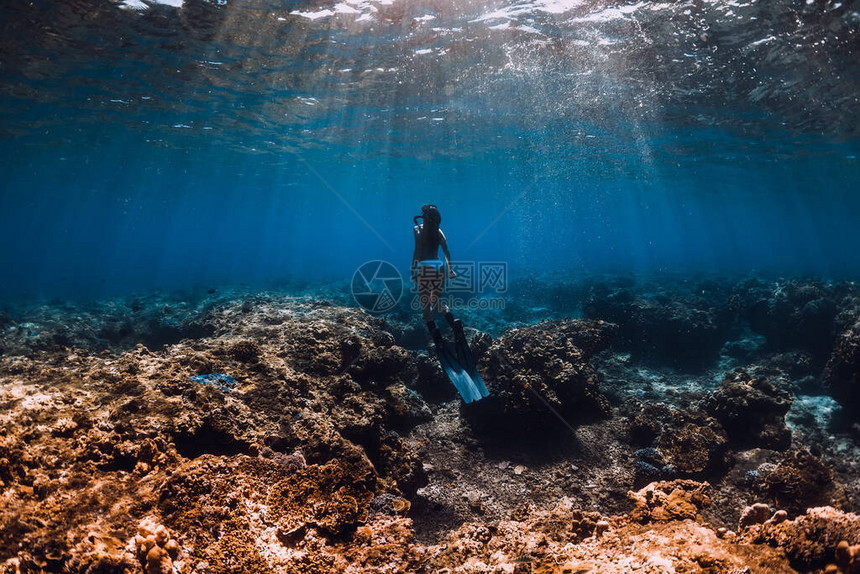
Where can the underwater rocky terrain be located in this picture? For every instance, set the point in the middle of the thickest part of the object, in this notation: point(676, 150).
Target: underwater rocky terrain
point(634, 425)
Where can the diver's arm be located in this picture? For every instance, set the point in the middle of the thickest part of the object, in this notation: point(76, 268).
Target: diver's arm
point(443, 243)
point(417, 232)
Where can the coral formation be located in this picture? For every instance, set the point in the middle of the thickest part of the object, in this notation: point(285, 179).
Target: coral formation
point(688, 443)
point(288, 434)
point(686, 331)
point(539, 370)
point(673, 500)
point(752, 411)
point(792, 314)
point(154, 547)
point(758, 513)
point(842, 373)
point(812, 540)
point(799, 481)
point(693, 448)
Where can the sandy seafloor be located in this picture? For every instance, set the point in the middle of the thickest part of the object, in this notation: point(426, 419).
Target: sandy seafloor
point(658, 424)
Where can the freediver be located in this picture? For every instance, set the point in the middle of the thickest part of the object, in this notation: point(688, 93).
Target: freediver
point(429, 273)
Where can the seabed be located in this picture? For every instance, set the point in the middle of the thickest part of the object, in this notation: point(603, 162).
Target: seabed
point(695, 426)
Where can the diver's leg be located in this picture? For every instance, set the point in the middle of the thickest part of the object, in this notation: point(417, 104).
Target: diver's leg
point(436, 302)
point(443, 308)
point(434, 285)
point(436, 335)
point(426, 308)
point(432, 328)
point(425, 293)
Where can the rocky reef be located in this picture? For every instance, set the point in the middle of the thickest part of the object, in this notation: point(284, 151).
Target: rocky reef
point(683, 328)
point(842, 374)
point(538, 370)
point(752, 410)
point(285, 417)
point(263, 432)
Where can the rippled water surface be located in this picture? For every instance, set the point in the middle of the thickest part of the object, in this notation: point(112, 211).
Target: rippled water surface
point(175, 143)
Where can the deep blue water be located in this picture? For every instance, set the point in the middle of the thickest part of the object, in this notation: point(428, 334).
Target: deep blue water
point(150, 146)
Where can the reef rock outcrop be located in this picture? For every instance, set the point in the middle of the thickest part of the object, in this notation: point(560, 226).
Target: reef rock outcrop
point(677, 443)
point(791, 314)
point(842, 373)
point(821, 538)
point(752, 411)
point(683, 328)
point(278, 426)
point(540, 379)
point(799, 481)
point(672, 500)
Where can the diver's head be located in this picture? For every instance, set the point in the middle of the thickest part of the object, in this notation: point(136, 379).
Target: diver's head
point(431, 214)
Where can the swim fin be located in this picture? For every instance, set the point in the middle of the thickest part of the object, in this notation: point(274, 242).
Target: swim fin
point(455, 372)
point(467, 360)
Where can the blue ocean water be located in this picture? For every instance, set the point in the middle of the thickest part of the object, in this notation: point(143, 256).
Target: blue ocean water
point(190, 144)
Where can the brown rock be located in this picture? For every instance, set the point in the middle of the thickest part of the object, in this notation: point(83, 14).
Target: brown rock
point(758, 513)
point(158, 561)
point(848, 557)
point(672, 500)
point(530, 368)
point(811, 539)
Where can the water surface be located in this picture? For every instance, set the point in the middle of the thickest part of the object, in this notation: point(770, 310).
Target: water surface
point(189, 144)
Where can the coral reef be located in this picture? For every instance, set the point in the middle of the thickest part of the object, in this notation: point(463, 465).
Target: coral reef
point(792, 314)
point(153, 320)
point(821, 536)
point(685, 329)
point(842, 373)
point(275, 433)
point(800, 480)
point(201, 432)
point(539, 369)
point(677, 442)
point(689, 323)
point(674, 500)
point(568, 540)
point(752, 411)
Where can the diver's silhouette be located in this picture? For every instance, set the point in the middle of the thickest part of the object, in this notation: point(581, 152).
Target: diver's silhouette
point(429, 273)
